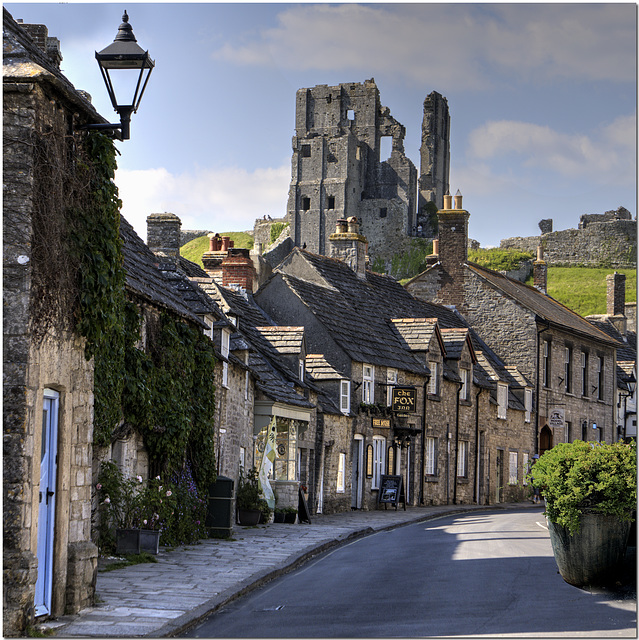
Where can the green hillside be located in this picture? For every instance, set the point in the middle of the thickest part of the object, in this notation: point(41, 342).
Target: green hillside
point(583, 289)
point(194, 249)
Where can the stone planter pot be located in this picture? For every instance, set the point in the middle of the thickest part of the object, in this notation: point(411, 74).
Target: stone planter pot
point(249, 517)
point(278, 517)
point(592, 556)
point(137, 540)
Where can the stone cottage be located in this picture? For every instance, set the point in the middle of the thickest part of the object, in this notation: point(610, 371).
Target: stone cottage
point(569, 363)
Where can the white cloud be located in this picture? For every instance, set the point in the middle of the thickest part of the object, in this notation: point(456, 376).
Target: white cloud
point(217, 200)
point(604, 156)
point(450, 45)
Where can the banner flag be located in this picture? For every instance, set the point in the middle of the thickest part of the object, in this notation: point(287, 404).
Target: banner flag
point(268, 459)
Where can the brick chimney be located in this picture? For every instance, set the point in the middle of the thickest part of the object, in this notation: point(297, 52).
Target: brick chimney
point(616, 300)
point(540, 271)
point(453, 249)
point(48, 45)
point(163, 237)
point(218, 250)
point(349, 246)
point(238, 269)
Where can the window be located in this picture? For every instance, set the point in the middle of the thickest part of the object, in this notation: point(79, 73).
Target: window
point(306, 204)
point(285, 467)
point(431, 456)
point(306, 151)
point(525, 469)
point(242, 459)
point(379, 451)
point(546, 363)
point(528, 396)
point(600, 377)
point(502, 400)
point(330, 202)
point(462, 459)
point(391, 458)
point(512, 467)
point(568, 369)
point(246, 385)
point(433, 384)
point(345, 396)
point(341, 464)
point(368, 384)
point(383, 212)
point(301, 369)
point(385, 147)
point(584, 373)
point(350, 114)
point(465, 375)
point(225, 348)
point(391, 381)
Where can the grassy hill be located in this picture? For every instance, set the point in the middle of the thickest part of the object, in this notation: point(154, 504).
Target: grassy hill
point(583, 289)
point(194, 249)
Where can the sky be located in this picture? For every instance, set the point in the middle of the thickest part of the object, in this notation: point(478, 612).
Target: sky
point(542, 99)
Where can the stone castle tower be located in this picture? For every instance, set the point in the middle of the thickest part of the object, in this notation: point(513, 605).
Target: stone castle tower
point(338, 171)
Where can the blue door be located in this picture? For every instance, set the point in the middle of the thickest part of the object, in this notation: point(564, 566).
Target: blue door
point(46, 511)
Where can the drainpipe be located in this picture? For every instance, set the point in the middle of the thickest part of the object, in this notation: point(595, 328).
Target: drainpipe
point(421, 482)
point(477, 449)
point(538, 394)
point(459, 388)
point(447, 463)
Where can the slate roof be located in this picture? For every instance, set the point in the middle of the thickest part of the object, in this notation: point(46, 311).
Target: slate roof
point(318, 367)
point(285, 340)
point(416, 333)
point(359, 312)
point(626, 352)
point(145, 279)
point(547, 308)
point(454, 340)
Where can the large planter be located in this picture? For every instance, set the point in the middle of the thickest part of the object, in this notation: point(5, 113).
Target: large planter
point(592, 556)
point(248, 517)
point(137, 540)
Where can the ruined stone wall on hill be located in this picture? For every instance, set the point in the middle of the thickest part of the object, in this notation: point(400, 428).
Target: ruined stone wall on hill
point(611, 244)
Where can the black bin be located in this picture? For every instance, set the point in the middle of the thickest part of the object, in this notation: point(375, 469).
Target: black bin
point(219, 520)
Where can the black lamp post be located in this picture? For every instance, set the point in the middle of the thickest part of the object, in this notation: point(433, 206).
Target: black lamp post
point(126, 63)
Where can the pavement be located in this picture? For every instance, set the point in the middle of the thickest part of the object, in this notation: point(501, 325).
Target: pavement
point(188, 583)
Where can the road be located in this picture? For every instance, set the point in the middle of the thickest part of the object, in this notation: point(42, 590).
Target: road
point(479, 574)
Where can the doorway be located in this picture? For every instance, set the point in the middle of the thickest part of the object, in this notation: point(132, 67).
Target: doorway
point(357, 475)
point(499, 485)
point(545, 440)
point(46, 510)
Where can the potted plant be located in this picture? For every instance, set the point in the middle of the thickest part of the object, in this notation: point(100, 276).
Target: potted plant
point(285, 515)
point(250, 504)
point(590, 490)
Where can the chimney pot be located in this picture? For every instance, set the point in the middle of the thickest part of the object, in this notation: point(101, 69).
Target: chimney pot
point(436, 247)
point(448, 201)
point(458, 200)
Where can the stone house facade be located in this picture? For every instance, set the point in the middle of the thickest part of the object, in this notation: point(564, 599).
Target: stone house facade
point(49, 560)
point(570, 363)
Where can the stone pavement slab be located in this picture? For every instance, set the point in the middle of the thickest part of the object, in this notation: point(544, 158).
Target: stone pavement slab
point(188, 583)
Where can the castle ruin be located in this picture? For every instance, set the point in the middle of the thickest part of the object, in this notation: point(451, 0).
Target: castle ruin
point(338, 170)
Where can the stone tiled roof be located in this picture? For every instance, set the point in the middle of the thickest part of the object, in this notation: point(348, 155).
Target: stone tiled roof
point(285, 340)
point(194, 297)
point(318, 367)
point(417, 333)
point(626, 351)
point(542, 305)
point(518, 377)
point(454, 340)
point(145, 279)
point(191, 269)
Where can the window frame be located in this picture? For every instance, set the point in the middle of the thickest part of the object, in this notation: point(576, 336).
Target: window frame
point(433, 383)
point(368, 384)
point(430, 454)
point(345, 395)
point(391, 382)
point(462, 458)
point(546, 363)
point(568, 368)
point(528, 404)
point(502, 401)
point(341, 473)
point(465, 377)
point(584, 373)
point(379, 460)
point(601, 377)
point(225, 350)
point(513, 471)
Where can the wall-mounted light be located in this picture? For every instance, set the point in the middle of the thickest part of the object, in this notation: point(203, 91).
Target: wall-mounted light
point(125, 68)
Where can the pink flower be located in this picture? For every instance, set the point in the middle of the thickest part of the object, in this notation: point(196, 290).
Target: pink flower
point(107, 500)
point(139, 478)
point(98, 486)
point(157, 477)
point(169, 493)
point(144, 521)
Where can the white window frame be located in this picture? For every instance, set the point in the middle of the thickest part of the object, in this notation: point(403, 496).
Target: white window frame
point(601, 366)
point(433, 383)
point(502, 400)
point(368, 384)
point(568, 369)
point(584, 374)
point(341, 472)
point(465, 377)
point(512, 467)
point(430, 468)
point(391, 382)
point(345, 396)
point(379, 460)
point(546, 364)
point(462, 459)
point(301, 369)
point(525, 468)
point(225, 348)
point(528, 397)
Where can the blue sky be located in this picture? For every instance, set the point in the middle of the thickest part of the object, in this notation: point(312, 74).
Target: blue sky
point(542, 100)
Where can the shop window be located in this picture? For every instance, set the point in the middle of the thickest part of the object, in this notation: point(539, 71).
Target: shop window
point(285, 467)
point(379, 450)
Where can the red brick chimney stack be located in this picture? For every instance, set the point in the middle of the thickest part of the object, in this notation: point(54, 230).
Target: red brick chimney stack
point(238, 269)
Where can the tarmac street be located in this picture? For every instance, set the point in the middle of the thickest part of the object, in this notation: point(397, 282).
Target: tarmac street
point(190, 582)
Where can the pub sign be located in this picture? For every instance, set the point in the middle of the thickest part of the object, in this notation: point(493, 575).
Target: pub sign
point(404, 400)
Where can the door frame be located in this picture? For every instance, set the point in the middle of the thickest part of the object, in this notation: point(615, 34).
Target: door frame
point(357, 474)
point(47, 501)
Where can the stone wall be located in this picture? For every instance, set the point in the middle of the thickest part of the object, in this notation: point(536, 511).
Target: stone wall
point(611, 243)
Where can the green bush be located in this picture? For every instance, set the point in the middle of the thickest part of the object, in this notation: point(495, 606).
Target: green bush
point(276, 229)
point(499, 259)
point(587, 476)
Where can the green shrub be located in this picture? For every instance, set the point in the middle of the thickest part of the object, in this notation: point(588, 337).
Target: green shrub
point(587, 476)
point(499, 259)
point(276, 229)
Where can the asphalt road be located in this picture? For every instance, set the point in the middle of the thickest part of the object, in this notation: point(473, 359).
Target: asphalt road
point(478, 574)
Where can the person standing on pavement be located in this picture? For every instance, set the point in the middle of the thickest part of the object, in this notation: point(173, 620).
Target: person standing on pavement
point(536, 493)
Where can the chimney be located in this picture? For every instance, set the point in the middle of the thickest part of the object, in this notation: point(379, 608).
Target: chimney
point(616, 301)
point(163, 237)
point(349, 246)
point(453, 234)
point(540, 271)
point(238, 270)
point(48, 45)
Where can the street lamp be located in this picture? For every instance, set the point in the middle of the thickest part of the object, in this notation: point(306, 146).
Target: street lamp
point(125, 66)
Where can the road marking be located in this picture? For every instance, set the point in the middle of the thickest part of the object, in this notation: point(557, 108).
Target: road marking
point(543, 526)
